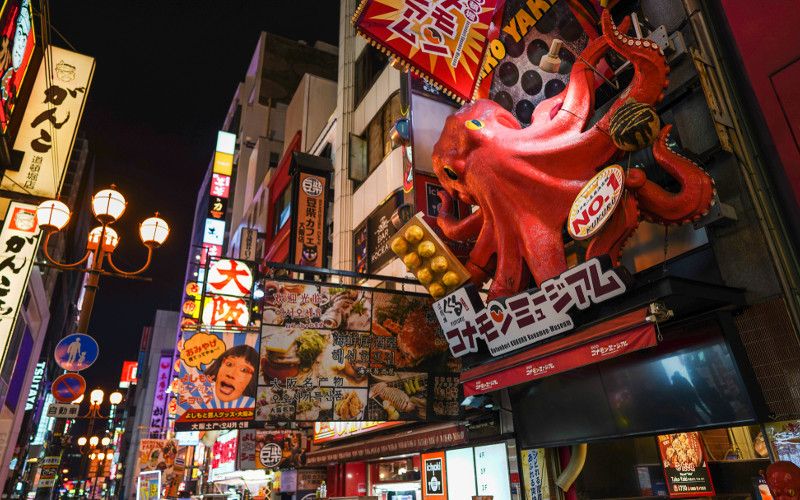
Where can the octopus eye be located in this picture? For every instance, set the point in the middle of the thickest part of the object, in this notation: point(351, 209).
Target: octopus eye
point(451, 173)
point(473, 124)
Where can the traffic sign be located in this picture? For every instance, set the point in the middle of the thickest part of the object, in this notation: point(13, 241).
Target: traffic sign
point(76, 352)
point(61, 410)
point(68, 387)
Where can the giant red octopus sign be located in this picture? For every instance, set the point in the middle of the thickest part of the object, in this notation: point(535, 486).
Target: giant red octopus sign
point(524, 181)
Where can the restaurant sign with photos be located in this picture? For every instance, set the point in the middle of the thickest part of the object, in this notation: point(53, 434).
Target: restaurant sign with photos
point(334, 353)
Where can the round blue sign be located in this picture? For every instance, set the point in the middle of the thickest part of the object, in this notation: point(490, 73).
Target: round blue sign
point(76, 352)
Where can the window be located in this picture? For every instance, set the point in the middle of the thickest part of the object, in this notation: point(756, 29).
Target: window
point(274, 158)
point(368, 67)
point(283, 208)
point(367, 152)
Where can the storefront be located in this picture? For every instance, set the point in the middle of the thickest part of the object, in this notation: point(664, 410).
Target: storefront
point(433, 462)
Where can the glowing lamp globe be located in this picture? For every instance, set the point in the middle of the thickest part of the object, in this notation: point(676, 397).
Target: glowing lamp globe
point(96, 397)
point(92, 456)
point(108, 205)
point(52, 215)
point(105, 441)
point(94, 440)
point(154, 231)
point(115, 398)
point(82, 440)
point(101, 456)
point(110, 241)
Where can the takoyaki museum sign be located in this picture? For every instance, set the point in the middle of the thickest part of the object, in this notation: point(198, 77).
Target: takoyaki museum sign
point(534, 315)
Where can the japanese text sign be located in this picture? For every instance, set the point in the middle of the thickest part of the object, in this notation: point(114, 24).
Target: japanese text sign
point(50, 122)
point(534, 315)
point(18, 241)
point(309, 245)
point(229, 277)
point(159, 416)
point(445, 40)
point(223, 456)
point(268, 449)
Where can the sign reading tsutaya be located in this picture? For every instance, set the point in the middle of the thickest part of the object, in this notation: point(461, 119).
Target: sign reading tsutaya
point(444, 39)
point(18, 242)
point(51, 119)
point(531, 316)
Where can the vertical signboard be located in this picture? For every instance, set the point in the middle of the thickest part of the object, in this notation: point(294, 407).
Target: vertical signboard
point(491, 471)
point(51, 119)
point(534, 475)
point(311, 179)
point(223, 456)
point(18, 241)
point(685, 467)
point(159, 416)
point(248, 244)
point(434, 476)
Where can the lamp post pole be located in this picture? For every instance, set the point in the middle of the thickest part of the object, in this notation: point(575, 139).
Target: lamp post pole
point(108, 205)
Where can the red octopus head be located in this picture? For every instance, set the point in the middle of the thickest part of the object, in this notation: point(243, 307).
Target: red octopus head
point(472, 131)
point(783, 479)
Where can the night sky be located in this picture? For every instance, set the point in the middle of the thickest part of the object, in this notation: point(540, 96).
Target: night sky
point(164, 78)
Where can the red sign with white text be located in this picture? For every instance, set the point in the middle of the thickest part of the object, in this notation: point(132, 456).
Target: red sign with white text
point(610, 347)
point(128, 376)
point(443, 39)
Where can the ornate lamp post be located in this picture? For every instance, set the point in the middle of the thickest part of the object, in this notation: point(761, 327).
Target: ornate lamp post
point(98, 446)
point(108, 205)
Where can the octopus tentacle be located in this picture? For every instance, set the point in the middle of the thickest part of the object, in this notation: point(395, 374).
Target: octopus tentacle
point(650, 68)
point(691, 202)
point(457, 229)
point(617, 231)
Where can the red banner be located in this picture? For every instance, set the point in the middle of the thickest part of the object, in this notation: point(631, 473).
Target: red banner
point(443, 40)
point(626, 342)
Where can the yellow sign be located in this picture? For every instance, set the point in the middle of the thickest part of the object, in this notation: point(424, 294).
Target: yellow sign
point(223, 163)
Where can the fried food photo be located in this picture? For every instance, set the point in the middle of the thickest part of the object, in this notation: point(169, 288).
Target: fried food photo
point(349, 407)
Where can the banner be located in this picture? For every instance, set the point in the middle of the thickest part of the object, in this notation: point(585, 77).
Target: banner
point(272, 449)
point(309, 233)
point(16, 27)
point(159, 455)
point(216, 380)
point(685, 466)
point(50, 122)
point(333, 353)
point(536, 485)
point(18, 242)
point(443, 40)
point(434, 476)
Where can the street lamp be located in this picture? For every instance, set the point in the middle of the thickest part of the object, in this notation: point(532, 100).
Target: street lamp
point(115, 398)
point(105, 441)
point(108, 205)
point(82, 441)
point(96, 397)
point(93, 441)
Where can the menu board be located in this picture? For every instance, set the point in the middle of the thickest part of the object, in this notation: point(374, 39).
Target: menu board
point(491, 471)
point(685, 467)
point(332, 353)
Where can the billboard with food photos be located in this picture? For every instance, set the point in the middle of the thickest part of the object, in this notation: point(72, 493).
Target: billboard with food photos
point(336, 353)
point(216, 380)
point(445, 41)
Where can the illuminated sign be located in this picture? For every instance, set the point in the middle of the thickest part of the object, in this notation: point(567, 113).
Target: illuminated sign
point(226, 142)
point(220, 185)
point(210, 251)
point(331, 431)
point(219, 311)
point(159, 416)
point(223, 163)
point(223, 457)
point(36, 385)
point(230, 277)
point(51, 119)
point(214, 232)
point(17, 31)
point(18, 241)
point(129, 372)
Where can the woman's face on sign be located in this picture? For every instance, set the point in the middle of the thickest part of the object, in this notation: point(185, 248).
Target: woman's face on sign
point(234, 374)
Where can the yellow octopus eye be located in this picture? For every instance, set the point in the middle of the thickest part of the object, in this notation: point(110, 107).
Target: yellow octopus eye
point(451, 173)
point(473, 124)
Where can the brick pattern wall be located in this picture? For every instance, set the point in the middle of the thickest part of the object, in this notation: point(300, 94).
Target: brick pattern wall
point(773, 348)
